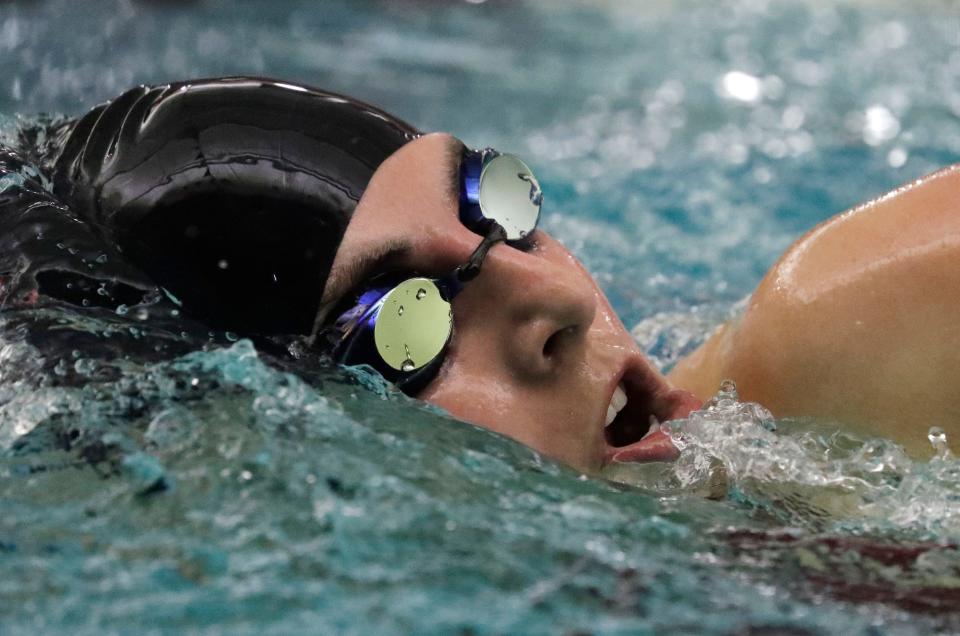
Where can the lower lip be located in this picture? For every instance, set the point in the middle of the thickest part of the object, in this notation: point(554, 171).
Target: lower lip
point(655, 447)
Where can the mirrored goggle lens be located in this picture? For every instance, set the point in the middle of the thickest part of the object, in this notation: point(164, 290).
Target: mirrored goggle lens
point(413, 325)
point(505, 191)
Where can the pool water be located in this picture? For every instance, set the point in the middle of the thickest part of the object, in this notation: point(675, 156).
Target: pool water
point(682, 147)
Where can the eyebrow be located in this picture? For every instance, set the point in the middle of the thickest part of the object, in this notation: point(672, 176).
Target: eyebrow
point(455, 152)
point(359, 268)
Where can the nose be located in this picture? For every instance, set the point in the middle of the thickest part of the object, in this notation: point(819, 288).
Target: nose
point(534, 309)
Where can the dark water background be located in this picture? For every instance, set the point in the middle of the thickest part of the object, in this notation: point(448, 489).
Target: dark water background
point(682, 147)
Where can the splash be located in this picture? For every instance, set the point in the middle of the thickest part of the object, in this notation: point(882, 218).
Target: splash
point(806, 473)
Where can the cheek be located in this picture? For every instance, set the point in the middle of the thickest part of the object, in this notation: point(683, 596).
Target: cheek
point(546, 416)
point(484, 403)
point(468, 387)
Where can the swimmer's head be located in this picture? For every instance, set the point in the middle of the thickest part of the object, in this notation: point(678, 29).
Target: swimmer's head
point(233, 194)
point(535, 352)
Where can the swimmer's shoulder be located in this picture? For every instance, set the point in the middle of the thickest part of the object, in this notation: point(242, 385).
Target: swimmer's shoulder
point(859, 316)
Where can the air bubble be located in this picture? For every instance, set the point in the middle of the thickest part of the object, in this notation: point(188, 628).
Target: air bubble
point(122, 310)
point(400, 311)
point(408, 365)
point(85, 366)
point(102, 258)
point(232, 337)
point(223, 264)
point(421, 293)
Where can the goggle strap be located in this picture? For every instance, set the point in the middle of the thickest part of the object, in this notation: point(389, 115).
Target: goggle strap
point(471, 269)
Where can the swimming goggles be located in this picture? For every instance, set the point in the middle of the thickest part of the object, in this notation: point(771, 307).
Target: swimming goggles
point(401, 326)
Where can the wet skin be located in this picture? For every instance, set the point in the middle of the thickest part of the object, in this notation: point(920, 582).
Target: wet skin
point(858, 322)
point(537, 351)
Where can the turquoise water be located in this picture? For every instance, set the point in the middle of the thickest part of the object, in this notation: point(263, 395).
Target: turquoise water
point(682, 147)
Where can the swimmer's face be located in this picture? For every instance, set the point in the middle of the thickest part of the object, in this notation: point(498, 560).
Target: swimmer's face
point(537, 353)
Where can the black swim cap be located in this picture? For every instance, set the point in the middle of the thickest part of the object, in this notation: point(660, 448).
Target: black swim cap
point(233, 194)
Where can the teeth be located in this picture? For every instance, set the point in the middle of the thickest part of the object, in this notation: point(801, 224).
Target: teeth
point(619, 399)
point(617, 402)
point(654, 427)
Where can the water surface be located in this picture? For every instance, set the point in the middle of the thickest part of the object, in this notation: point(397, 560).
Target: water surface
point(682, 147)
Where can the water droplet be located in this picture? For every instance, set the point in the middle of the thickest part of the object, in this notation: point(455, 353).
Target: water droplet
point(400, 311)
point(61, 368)
point(60, 246)
point(195, 382)
point(102, 291)
point(142, 313)
point(102, 258)
point(408, 365)
point(421, 293)
point(173, 299)
point(725, 398)
point(728, 386)
point(223, 264)
point(122, 310)
point(938, 439)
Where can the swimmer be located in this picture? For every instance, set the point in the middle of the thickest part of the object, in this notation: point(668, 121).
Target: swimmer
point(276, 209)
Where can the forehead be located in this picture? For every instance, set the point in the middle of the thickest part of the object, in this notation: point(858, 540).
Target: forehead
point(408, 199)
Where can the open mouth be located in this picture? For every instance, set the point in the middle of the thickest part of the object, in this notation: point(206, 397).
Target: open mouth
point(636, 409)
